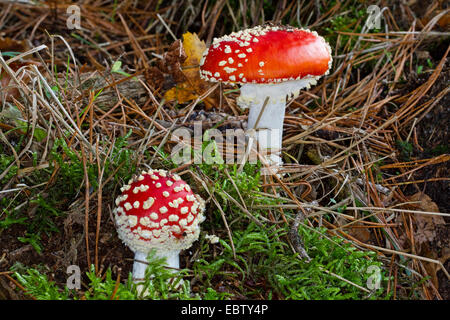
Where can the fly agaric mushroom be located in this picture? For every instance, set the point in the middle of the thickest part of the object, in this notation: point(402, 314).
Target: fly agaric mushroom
point(270, 62)
point(157, 210)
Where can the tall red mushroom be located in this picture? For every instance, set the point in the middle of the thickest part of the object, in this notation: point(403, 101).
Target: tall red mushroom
point(157, 210)
point(270, 62)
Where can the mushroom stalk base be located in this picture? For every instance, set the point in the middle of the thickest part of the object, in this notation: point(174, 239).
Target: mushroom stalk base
point(267, 121)
point(268, 126)
point(140, 262)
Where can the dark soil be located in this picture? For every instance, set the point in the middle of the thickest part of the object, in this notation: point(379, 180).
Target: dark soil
point(433, 137)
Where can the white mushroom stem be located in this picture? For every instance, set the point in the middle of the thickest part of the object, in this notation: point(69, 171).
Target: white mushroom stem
point(268, 129)
point(140, 262)
point(268, 120)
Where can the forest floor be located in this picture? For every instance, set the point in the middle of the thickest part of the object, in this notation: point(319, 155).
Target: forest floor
point(365, 183)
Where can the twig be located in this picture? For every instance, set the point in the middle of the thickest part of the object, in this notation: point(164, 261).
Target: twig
point(295, 237)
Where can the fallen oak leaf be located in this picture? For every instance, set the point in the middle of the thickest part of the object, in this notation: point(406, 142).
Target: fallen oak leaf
point(426, 224)
point(167, 72)
point(193, 48)
point(426, 235)
point(191, 85)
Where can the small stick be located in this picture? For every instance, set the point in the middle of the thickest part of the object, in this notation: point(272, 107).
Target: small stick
point(295, 238)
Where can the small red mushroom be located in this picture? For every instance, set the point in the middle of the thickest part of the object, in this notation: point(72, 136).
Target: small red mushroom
point(271, 62)
point(157, 210)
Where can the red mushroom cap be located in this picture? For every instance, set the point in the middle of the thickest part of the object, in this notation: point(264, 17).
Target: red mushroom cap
point(266, 54)
point(158, 210)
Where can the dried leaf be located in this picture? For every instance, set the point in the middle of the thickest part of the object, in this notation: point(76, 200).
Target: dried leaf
point(443, 22)
point(190, 86)
point(8, 89)
point(426, 235)
point(360, 232)
point(13, 46)
point(10, 48)
point(426, 224)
